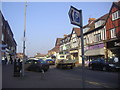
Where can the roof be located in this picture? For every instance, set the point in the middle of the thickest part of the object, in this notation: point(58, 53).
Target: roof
point(58, 41)
point(92, 25)
point(104, 17)
point(56, 49)
point(117, 4)
point(77, 31)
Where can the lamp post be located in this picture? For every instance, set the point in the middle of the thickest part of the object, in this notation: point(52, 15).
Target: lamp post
point(24, 36)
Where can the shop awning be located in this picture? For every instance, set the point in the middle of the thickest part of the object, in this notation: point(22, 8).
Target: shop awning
point(95, 52)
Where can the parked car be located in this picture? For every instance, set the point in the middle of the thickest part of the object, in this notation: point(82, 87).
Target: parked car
point(36, 65)
point(50, 61)
point(101, 64)
point(62, 64)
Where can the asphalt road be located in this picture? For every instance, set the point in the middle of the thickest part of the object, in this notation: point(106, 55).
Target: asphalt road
point(59, 78)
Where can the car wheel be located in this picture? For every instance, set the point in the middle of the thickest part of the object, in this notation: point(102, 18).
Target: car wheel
point(38, 70)
point(71, 67)
point(90, 67)
point(104, 69)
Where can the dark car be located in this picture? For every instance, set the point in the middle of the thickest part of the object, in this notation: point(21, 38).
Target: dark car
point(101, 64)
point(36, 65)
point(50, 61)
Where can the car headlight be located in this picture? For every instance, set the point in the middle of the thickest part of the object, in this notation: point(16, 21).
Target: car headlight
point(111, 65)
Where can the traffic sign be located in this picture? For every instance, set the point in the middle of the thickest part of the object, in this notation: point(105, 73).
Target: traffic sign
point(76, 19)
point(4, 46)
point(75, 16)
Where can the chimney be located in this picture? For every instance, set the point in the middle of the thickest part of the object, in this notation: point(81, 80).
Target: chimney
point(90, 20)
point(65, 35)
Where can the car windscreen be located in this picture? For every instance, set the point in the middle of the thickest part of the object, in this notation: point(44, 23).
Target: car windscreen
point(28, 62)
point(42, 61)
point(49, 60)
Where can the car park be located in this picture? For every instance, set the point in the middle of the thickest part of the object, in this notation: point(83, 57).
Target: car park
point(101, 64)
point(36, 65)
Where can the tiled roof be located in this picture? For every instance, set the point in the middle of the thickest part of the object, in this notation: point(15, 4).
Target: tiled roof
point(104, 17)
point(117, 4)
point(77, 31)
point(58, 41)
point(56, 49)
point(92, 25)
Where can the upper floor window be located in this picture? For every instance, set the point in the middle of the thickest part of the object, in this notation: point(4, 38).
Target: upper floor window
point(99, 23)
point(112, 33)
point(2, 37)
point(97, 37)
point(116, 15)
point(85, 29)
point(85, 41)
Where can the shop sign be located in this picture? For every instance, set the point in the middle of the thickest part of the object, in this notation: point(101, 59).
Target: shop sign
point(113, 44)
point(117, 44)
point(95, 47)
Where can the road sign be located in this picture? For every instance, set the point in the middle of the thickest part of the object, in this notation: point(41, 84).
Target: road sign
point(4, 46)
point(75, 16)
point(76, 19)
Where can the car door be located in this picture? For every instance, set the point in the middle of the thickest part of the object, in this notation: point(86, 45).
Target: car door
point(35, 65)
point(28, 64)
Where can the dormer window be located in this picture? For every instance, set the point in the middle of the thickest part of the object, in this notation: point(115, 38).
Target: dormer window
point(85, 29)
point(116, 15)
point(99, 23)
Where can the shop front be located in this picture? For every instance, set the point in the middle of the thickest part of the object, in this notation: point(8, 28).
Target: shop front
point(74, 54)
point(94, 52)
point(114, 47)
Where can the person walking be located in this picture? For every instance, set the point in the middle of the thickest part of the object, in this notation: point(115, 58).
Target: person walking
point(17, 68)
point(6, 60)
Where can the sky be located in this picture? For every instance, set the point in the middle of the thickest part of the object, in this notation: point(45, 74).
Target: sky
point(46, 21)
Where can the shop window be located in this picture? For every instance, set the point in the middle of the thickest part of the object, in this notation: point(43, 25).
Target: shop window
point(61, 56)
point(112, 33)
point(115, 15)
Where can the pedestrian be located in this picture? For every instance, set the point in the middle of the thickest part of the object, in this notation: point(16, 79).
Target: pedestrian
point(17, 68)
point(11, 61)
point(6, 60)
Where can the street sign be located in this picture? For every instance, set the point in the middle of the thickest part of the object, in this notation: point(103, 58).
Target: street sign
point(4, 46)
point(75, 16)
point(76, 19)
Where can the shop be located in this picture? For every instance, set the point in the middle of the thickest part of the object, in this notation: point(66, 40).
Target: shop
point(74, 54)
point(94, 52)
point(114, 47)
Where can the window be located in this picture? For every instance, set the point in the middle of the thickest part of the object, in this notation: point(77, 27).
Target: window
point(2, 37)
point(85, 41)
point(97, 37)
point(99, 23)
point(112, 33)
point(115, 15)
point(61, 56)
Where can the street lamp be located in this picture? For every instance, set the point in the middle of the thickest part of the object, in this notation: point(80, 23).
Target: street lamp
point(23, 71)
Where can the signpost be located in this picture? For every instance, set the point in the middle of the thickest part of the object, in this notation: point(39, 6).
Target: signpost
point(76, 19)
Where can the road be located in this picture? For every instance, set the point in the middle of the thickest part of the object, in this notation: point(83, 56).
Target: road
point(59, 78)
